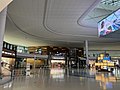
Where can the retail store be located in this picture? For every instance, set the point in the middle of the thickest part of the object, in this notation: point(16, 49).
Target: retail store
point(8, 55)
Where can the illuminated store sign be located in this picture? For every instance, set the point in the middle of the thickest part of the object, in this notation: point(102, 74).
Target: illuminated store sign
point(8, 53)
point(58, 57)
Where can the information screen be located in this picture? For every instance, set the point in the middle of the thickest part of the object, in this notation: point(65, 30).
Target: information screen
point(109, 24)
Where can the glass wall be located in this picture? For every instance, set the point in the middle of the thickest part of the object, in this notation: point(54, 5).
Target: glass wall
point(22, 49)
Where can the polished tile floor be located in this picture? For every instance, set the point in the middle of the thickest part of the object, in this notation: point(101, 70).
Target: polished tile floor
point(61, 79)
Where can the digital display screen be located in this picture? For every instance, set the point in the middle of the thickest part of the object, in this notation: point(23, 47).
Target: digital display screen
point(109, 24)
point(108, 58)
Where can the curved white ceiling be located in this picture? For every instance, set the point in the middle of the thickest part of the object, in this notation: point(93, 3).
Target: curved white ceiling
point(48, 22)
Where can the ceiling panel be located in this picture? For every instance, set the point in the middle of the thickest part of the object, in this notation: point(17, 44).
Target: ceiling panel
point(62, 18)
point(52, 22)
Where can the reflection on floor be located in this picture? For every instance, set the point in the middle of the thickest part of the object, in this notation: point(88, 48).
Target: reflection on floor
point(107, 80)
point(63, 79)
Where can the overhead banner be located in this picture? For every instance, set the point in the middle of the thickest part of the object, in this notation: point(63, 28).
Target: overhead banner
point(4, 3)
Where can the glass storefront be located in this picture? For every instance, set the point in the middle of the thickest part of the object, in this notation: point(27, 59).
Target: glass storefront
point(22, 49)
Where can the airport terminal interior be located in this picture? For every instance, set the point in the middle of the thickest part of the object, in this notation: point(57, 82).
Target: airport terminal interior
point(59, 44)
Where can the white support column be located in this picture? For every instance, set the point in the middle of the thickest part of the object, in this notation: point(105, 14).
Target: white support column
point(34, 62)
point(86, 51)
point(2, 29)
